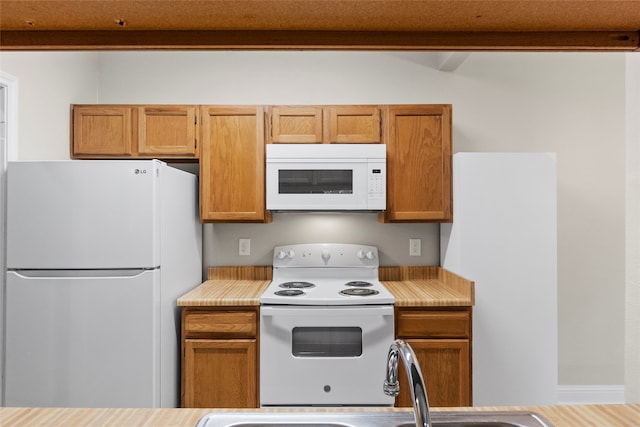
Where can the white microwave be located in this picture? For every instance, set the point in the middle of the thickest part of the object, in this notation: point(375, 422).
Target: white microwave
point(326, 177)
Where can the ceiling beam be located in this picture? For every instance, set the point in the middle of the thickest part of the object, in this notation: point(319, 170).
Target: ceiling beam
point(623, 41)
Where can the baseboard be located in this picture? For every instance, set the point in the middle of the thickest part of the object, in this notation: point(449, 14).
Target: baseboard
point(590, 394)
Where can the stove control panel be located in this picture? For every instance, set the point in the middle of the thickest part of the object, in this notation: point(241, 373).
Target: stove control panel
point(325, 255)
point(282, 254)
point(368, 255)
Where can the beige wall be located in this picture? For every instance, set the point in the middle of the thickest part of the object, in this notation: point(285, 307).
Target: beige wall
point(49, 83)
point(632, 295)
point(571, 104)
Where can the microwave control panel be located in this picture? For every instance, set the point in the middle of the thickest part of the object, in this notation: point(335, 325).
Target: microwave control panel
point(377, 185)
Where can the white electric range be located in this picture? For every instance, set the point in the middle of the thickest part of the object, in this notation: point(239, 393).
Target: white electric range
point(326, 323)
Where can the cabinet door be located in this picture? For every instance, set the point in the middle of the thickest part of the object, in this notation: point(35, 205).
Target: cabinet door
point(354, 124)
point(167, 131)
point(296, 124)
point(419, 163)
point(446, 369)
point(232, 164)
point(101, 131)
point(220, 374)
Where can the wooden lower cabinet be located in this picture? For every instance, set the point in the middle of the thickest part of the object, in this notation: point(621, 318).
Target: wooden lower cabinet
point(220, 374)
point(441, 340)
point(219, 357)
point(445, 366)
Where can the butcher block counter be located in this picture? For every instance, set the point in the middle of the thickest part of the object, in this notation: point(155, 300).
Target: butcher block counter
point(229, 286)
point(421, 286)
point(559, 416)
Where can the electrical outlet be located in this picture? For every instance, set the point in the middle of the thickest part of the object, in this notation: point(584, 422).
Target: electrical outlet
point(415, 247)
point(244, 247)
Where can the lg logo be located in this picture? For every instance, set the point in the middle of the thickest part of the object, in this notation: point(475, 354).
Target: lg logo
point(140, 171)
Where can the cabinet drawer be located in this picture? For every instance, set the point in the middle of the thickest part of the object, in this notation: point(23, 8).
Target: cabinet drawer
point(220, 324)
point(433, 324)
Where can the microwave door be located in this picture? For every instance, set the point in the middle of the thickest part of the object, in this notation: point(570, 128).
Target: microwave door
point(315, 181)
point(330, 186)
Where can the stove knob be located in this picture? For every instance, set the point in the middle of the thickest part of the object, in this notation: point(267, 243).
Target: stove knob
point(360, 254)
point(326, 254)
point(291, 254)
point(370, 255)
point(282, 254)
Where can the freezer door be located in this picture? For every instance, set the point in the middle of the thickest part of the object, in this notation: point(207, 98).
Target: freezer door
point(83, 214)
point(83, 341)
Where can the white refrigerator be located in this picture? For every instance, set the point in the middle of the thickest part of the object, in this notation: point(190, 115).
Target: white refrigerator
point(97, 254)
point(504, 238)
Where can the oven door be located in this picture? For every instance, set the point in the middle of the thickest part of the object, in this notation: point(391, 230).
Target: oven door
point(334, 356)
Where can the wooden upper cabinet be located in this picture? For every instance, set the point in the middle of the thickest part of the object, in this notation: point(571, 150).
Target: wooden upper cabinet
point(168, 130)
point(296, 125)
point(419, 158)
point(134, 131)
point(232, 164)
point(354, 124)
point(101, 131)
point(347, 124)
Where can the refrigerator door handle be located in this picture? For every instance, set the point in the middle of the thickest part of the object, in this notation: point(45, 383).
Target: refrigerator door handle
point(111, 273)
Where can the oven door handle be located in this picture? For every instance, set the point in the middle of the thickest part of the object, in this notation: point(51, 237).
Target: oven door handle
point(384, 311)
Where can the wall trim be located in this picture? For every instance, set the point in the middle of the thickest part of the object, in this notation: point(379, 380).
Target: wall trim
point(11, 85)
point(589, 394)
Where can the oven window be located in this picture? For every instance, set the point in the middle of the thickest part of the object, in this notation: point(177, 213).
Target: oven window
point(315, 181)
point(327, 342)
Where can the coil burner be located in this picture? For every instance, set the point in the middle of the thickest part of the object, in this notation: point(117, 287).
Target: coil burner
point(325, 275)
point(297, 285)
point(359, 292)
point(289, 293)
point(359, 283)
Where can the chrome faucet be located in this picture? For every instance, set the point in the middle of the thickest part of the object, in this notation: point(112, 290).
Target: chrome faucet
point(416, 383)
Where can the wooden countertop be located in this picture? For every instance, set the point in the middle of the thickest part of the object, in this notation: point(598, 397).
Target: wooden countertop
point(427, 286)
point(225, 293)
point(410, 286)
point(227, 286)
point(560, 416)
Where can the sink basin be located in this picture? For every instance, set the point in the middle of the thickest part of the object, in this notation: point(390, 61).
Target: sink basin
point(372, 419)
